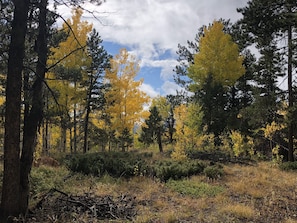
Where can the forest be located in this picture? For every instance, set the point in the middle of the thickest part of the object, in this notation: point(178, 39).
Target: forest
point(81, 142)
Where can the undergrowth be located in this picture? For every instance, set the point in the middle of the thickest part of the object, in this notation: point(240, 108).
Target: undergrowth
point(194, 188)
point(288, 166)
point(167, 191)
point(127, 165)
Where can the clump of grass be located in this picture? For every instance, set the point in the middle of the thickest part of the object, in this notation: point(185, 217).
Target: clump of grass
point(170, 216)
point(194, 189)
point(239, 211)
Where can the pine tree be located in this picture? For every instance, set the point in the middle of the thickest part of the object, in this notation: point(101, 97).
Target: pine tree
point(94, 84)
point(266, 23)
point(215, 69)
point(153, 129)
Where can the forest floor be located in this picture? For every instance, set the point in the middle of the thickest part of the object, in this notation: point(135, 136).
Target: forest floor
point(255, 192)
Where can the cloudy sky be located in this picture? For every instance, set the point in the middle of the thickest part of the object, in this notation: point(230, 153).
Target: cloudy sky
point(152, 29)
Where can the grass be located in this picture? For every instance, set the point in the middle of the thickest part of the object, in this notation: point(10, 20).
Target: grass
point(245, 193)
point(194, 189)
point(239, 211)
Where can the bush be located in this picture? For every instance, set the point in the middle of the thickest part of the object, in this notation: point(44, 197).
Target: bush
point(213, 172)
point(45, 178)
point(215, 156)
point(170, 169)
point(288, 166)
point(116, 164)
point(129, 164)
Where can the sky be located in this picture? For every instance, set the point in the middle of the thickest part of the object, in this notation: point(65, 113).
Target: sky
point(152, 29)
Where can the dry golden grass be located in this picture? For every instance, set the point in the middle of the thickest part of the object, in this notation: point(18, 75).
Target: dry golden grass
point(252, 193)
point(290, 221)
point(258, 181)
point(239, 211)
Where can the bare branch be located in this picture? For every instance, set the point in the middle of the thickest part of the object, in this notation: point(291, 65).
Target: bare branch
point(59, 61)
point(69, 26)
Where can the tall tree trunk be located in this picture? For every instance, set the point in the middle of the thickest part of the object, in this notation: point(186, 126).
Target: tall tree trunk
point(159, 140)
point(74, 128)
point(171, 122)
point(88, 110)
point(11, 178)
point(45, 138)
point(63, 138)
point(34, 118)
point(290, 97)
point(45, 129)
point(86, 128)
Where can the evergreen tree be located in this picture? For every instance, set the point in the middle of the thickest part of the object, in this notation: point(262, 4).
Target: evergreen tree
point(265, 24)
point(15, 188)
point(125, 139)
point(95, 87)
point(153, 129)
point(231, 100)
point(215, 70)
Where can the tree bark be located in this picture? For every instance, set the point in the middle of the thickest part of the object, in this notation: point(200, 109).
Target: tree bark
point(159, 140)
point(11, 178)
point(86, 128)
point(33, 120)
point(290, 97)
point(88, 110)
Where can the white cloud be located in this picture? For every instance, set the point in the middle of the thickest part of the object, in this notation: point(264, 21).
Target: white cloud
point(149, 90)
point(170, 87)
point(166, 65)
point(152, 27)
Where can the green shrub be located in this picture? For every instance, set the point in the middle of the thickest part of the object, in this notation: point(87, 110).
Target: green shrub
point(45, 178)
point(171, 169)
point(288, 166)
point(215, 155)
point(194, 189)
point(213, 171)
point(128, 164)
point(116, 164)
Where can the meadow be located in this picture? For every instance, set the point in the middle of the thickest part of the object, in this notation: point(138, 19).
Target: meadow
point(250, 191)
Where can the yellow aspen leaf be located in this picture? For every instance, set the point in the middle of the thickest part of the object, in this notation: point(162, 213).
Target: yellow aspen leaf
point(218, 57)
point(125, 100)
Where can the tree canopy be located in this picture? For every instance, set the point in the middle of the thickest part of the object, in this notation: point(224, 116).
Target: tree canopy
point(218, 57)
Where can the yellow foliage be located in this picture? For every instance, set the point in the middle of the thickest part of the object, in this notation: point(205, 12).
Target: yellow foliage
point(179, 152)
point(271, 129)
point(77, 39)
point(2, 89)
point(163, 106)
point(125, 100)
point(2, 100)
point(238, 143)
point(71, 55)
point(96, 121)
point(206, 141)
point(242, 145)
point(187, 124)
point(218, 56)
